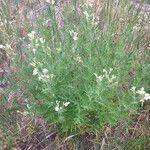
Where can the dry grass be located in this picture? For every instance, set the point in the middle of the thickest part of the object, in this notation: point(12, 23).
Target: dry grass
point(35, 134)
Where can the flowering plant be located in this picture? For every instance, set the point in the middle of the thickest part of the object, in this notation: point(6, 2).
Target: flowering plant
point(74, 77)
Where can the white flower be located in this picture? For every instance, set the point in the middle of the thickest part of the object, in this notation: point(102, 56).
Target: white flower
point(5, 21)
point(46, 76)
point(8, 46)
point(104, 70)
point(29, 45)
point(111, 79)
point(42, 40)
point(10, 22)
point(43, 77)
point(73, 34)
point(99, 78)
point(133, 89)
point(91, 5)
point(141, 91)
point(75, 38)
point(78, 59)
point(40, 78)
point(1, 23)
point(147, 96)
point(58, 49)
point(66, 104)
point(33, 64)
point(2, 46)
point(45, 71)
point(86, 14)
point(142, 102)
point(81, 5)
point(34, 50)
point(110, 70)
point(53, 2)
point(35, 71)
point(70, 31)
point(48, 1)
point(31, 35)
point(57, 108)
point(107, 75)
point(136, 28)
point(143, 95)
point(46, 22)
point(96, 23)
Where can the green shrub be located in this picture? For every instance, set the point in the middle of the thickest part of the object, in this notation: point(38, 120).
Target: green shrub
point(79, 76)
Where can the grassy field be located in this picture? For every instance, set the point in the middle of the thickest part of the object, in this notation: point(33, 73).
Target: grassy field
point(74, 75)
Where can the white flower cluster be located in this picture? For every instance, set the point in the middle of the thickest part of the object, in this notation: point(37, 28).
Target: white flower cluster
point(99, 78)
point(5, 22)
point(41, 40)
point(95, 20)
point(35, 43)
point(31, 35)
point(2, 46)
point(78, 59)
point(143, 95)
point(46, 22)
point(74, 34)
point(86, 14)
point(42, 76)
point(7, 47)
point(51, 1)
point(107, 75)
point(35, 71)
point(58, 107)
point(58, 50)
